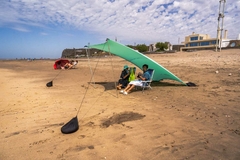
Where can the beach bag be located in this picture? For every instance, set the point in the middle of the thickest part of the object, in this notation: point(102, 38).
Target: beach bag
point(132, 75)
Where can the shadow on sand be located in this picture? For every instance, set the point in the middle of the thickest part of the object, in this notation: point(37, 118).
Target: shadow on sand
point(111, 85)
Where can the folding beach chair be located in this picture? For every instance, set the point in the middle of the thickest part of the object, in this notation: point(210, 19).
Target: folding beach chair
point(75, 64)
point(147, 84)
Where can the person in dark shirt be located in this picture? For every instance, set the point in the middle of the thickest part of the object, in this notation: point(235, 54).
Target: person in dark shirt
point(123, 81)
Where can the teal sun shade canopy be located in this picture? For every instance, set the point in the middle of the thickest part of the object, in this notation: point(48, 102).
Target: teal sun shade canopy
point(137, 59)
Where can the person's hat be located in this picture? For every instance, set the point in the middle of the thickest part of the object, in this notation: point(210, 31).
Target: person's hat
point(125, 67)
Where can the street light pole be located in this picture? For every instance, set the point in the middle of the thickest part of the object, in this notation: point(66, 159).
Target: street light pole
point(224, 2)
point(219, 30)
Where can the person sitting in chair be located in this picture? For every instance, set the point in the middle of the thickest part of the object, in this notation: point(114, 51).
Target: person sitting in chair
point(138, 82)
point(75, 63)
point(123, 81)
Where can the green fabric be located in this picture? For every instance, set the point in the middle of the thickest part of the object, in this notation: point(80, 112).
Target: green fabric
point(137, 59)
point(132, 75)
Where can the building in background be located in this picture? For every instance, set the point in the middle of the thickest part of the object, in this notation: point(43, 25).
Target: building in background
point(152, 47)
point(204, 41)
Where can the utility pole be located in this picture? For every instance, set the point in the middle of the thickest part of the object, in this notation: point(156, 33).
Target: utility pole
point(220, 20)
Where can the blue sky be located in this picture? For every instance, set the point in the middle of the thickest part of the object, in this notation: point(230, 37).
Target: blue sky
point(43, 28)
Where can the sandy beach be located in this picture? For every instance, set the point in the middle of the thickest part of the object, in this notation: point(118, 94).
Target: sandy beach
point(169, 122)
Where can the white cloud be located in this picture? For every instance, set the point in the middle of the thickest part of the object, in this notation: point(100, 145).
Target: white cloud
point(21, 29)
point(129, 20)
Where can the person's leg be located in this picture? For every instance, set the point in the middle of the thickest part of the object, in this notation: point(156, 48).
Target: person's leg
point(70, 66)
point(130, 88)
point(124, 90)
point(119, 86)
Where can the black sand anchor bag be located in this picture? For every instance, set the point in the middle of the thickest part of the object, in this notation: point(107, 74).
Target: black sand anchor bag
point(71, 126)
point(49, 84)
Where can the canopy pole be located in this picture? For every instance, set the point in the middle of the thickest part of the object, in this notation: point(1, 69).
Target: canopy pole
point(90, 67)
point(113, 71)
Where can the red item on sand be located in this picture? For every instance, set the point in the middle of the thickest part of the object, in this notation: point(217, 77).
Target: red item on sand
point(60, 63)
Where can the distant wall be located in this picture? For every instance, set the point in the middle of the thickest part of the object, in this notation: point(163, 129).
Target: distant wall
point(177, 47)
point(78, 52)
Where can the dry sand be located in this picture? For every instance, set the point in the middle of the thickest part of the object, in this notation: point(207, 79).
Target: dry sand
point(168, 122)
